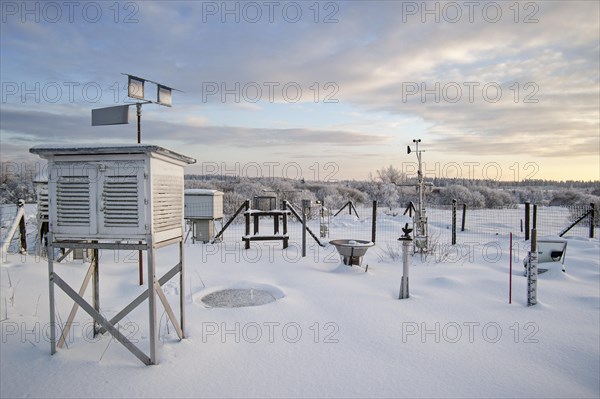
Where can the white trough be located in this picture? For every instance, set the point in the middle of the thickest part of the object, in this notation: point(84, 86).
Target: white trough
point(550, 249)
point(352, 251)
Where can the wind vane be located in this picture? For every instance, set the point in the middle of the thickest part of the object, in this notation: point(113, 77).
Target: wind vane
point(119, 115)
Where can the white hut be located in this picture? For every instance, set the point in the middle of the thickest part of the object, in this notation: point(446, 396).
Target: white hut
point(203, 207)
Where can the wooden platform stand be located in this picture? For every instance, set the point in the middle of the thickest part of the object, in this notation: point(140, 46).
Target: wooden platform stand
point(275, 214)
point(101, 324)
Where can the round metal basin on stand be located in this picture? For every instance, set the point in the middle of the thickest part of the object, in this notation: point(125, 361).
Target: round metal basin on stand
point(352, 251)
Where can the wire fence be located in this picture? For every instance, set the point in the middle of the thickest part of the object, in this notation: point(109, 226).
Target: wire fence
point(384, 224)
point(7, 215)
point(553, 220)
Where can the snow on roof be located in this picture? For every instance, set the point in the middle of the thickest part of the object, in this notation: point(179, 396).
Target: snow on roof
point(202, 191)
point(47, 150)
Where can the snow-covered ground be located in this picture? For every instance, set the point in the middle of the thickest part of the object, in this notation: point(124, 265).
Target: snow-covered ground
point(333, 330)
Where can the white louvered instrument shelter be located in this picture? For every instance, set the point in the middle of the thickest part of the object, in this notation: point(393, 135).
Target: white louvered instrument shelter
point(115, 198)
point(114, 192)
point(203, 204)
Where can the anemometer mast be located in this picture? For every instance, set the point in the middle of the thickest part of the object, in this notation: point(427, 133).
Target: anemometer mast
point(420, 216)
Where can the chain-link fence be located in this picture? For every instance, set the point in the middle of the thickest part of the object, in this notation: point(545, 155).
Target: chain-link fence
point(472, 227)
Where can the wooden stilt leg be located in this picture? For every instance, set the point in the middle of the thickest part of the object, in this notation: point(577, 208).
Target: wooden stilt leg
point(95, 286)
point(152, 304)
point(181, 290)
point(51, 295)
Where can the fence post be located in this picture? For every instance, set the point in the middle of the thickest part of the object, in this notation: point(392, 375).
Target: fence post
point(464, 216)
point(527, 213)
point(306, 204)
point(374, 222)
point(534, 218)
point(453, 222)
point(521, 225)
point(592, 216)
point(247, 219)
point(22, 228)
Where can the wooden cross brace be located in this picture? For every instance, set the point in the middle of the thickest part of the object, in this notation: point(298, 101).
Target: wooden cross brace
point(154, 289)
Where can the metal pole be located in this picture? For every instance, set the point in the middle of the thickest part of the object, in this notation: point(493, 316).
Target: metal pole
point(322, 226)
point(153, 330)
point(527, 215)
point(510, 270)
point(592, 216)
point(374, 222)
point(138, 107)
point(181, 289)
point(464, 217)
point(420, 233)
point(521, 225)
point(534, 218)
point(453, 222)
point(50, 252)
point(304, 209)
point(247, 221)
point(406, 242)
point(95, 286)
point(303, 233)
point(285, 229)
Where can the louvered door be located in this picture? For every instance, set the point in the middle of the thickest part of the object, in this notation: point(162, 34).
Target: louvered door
point(73, 201)
point(122, 211)
point(73, 189)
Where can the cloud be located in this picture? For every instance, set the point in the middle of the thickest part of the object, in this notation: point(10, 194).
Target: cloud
point(371, 53)
point(27, 128)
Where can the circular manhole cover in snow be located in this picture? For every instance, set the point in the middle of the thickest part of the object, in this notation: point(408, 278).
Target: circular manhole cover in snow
point(241, 297)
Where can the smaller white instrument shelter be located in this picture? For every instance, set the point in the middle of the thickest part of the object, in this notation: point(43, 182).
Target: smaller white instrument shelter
point(203, 207)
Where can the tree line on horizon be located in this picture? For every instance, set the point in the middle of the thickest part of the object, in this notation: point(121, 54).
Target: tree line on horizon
point(389, 186)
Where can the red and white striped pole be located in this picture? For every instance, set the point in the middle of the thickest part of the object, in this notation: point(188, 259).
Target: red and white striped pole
point(510, 271)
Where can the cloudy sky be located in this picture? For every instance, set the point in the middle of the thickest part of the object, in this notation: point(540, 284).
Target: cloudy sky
point(323, 90)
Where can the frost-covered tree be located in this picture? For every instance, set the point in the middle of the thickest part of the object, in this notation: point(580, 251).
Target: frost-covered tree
point(462, 195)
point(16, 182)
point(572, 197)
point(496, 197)
point(283, 189)
point(390, 175)
point(386, 194)
point(249, 188)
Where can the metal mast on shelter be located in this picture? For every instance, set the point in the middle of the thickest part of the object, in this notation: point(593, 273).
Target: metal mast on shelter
point(119, 115)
